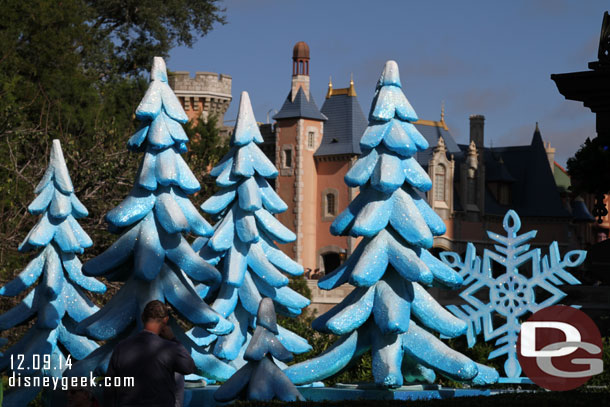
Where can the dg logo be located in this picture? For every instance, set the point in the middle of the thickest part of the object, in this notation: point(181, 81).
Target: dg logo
point(560, 348)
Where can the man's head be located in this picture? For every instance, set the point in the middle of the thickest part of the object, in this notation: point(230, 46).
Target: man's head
point(155, 316)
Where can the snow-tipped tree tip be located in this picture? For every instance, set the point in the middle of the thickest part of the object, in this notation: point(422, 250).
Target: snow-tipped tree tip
point(56, 152)
point(246, 129)
point(158, 70)
point(390, 74)
point(245, 107)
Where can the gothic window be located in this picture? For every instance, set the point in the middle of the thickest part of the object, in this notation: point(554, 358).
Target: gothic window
point(439, 183)
point(311, 139)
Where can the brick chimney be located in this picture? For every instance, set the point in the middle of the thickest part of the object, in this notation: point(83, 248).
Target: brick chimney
point(477, 124)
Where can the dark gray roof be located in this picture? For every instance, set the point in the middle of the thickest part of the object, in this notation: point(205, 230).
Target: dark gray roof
point(533, 192)
point(431, 134)
point(495, 170)
point(300, 107)
point(344, 128)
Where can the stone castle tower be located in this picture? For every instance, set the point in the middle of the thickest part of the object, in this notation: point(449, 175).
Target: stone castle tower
point(314, 148)
point(206, 94)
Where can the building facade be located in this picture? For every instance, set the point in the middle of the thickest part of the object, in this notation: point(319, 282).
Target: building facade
point(473, 185)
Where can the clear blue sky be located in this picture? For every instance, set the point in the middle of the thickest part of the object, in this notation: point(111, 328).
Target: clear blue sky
point(480, 57)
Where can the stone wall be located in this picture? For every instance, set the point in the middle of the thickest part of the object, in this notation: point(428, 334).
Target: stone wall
point(208, 93)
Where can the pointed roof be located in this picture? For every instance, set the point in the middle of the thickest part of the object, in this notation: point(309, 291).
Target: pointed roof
point(345, 126)
point(300, 107)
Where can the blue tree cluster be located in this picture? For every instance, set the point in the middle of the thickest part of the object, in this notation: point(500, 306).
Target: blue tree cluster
point(152, 257)
point(57, 300)
point(260, 378)
point(243, 245)
point(391, 266)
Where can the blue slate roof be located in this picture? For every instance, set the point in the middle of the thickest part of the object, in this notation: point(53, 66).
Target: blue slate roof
point(431, 134)
point(300, 107)
point(344, 128)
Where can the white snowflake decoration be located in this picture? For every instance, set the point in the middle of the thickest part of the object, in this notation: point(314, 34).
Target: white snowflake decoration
point(511, 294)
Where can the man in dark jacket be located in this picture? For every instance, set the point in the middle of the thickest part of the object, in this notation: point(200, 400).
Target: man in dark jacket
point(151, 357)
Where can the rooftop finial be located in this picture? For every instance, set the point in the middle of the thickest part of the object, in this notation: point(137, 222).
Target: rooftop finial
point(352, 90)
point(330, 87)
point(537, 130)
point(443, 111)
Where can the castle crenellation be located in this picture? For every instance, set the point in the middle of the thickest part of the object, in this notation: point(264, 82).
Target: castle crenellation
point(204, 94)
point(202, 82)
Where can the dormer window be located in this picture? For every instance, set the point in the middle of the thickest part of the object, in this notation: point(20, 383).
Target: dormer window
point(501, 191)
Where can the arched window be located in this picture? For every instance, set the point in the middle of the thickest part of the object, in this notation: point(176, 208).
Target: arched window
point(439, 183)
point(331, 208)
point(330, 204)
point(311, 139)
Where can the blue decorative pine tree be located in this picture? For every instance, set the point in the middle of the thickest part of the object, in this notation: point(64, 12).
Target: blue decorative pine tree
point(391, 265)
point(57, 300)
point(152, 256)
point(260, 378)
point(243, 245)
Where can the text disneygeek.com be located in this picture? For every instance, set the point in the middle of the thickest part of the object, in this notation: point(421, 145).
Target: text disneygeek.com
point(65, 383)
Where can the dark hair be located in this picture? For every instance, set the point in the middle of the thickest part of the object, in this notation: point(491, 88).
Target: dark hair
point(154, 310)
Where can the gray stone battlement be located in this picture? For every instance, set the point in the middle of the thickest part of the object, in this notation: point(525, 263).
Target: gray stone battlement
point(203, 84)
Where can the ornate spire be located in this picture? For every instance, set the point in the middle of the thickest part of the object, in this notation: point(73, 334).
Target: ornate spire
point(440, 147)
point(351, 91)
point(330, 87)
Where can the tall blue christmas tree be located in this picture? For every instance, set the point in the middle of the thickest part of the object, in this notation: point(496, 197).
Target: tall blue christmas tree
point(391, 265)
point(57, 301)
point(243, 245)
point(152, 256)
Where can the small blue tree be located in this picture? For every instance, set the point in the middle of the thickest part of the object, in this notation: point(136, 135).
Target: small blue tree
point(57, 300)
point(152, 256)
point(243, 244)
point(391, 265)
point(260, 378)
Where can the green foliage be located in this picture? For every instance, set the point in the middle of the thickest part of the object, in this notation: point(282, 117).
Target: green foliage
point(589, 169)
point(603, 379)
point(207, 147)
point(73, 70)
